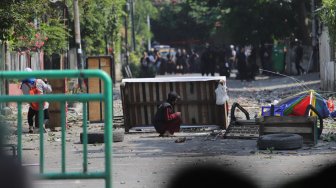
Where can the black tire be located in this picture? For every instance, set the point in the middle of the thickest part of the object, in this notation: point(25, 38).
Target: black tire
point(93, 138)
point(118, 136)
point(280, 141)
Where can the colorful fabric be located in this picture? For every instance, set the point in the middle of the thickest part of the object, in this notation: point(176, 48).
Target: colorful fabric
point(296, 105)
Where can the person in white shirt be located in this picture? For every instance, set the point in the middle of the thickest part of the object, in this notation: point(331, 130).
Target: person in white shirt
point(36, 86)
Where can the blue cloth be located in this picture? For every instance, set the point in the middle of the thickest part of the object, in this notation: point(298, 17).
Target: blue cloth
point(333, 114)
point(29, 80)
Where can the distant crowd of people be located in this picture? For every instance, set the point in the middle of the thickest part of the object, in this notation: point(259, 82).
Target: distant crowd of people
point(179, 62)
point(247, 60)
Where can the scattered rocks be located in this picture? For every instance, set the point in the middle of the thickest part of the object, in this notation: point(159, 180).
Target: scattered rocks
point(6, 111)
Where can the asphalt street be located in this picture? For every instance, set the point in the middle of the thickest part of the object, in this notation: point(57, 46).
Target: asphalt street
point(148, 161)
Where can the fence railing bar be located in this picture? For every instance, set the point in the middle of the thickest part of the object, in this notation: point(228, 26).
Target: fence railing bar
point(85, 138)
point(63, 124)
point(108, 110)
point(19, 131)
point(41, 131)
point(53, 98)
point(73, 175)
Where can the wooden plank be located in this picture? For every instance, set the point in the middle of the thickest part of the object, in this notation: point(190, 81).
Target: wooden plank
point(199, 106)
point(130, 106)
point(178, 90)
point(151, 98)
point(93, 63)
point(105, 68)
point(287, 129)
point(94, 115)
point(94, 87)
point(186, 110)
point(58, 87)
point(212, 106)
point(164, 89)
point(204, 105)
point(157, 92)
point(137, 98)
point(94, 107)
point(287, 119)
point(147, 122)
point(148, 107)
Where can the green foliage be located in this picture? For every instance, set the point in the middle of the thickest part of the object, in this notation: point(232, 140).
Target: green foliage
point(31, 25)
point(93, 25)
point(270, 150)
point(142, 9)
point(241, 21)
point(134, 58)
point(57, 37)
point(328, 17)
point(100, 22)
point(182, 22)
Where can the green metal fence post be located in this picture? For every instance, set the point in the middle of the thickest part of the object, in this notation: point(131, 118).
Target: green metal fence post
point(62, 98)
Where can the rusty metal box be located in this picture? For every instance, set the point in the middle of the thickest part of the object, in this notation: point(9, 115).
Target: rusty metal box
point(141, 96)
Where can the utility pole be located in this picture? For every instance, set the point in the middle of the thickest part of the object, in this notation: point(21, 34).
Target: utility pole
point(77, 35)
point(133, 28)
point(126, 33)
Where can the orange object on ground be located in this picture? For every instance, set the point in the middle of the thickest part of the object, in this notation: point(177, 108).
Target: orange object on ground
point(330, 104)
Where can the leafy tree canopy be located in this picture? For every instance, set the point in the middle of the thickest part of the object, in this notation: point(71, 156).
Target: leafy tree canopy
point(241, 21)
point(328, 16)
point(31, 25)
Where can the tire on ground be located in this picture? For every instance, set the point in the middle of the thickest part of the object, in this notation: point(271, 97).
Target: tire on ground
point(93, 138)
point(280, 141)
point(98, 137)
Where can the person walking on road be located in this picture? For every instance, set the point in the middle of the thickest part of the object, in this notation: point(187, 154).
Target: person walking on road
point(241, 64)
point(193, 60)
point(144, 65)
point(298, 58)
point(205, 70)
point(166, 121)
point(34, 86)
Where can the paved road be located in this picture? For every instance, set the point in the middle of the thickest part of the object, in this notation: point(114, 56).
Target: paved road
point(145, 160)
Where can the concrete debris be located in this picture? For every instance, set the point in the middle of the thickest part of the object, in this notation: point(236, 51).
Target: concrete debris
point(180, 140)
point(6, 111)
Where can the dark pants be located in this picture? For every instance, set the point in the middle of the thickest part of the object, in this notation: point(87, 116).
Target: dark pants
point(33, 114)
point(171, 126)
point(299, 68)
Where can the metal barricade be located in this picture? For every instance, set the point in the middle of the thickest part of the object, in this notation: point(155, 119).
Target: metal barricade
point(105, 97)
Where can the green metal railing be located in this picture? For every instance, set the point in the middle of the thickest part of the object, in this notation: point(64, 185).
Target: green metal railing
point(63, 98)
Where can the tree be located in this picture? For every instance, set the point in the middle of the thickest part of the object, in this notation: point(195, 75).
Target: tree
point(31, 25)
point(143, 8)
point(328, 16)
point(182, 22)
point(239, 21)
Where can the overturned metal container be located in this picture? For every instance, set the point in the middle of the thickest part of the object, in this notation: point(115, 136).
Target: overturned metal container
point(141, 96)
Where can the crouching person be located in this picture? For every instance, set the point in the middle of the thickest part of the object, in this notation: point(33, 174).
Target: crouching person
point(166, 121)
